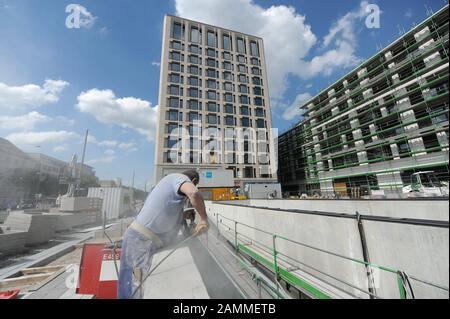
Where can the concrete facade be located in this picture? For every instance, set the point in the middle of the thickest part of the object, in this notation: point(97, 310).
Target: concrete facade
point(213, 103)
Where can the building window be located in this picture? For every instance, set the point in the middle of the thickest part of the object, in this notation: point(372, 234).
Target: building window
point(228, 76)
point(211, 63)
point(229, 109)
point(175, 67)
point(195, 49)
point(212, 119)
point(244, 99)
point(171, 157)
point(259, 112)
point(194, 59)
point(193, 117)
point(175, 56)
point(226, 42)
point(193, 92)
point(177, 31)
point(257, 81)
point(195, 35)
point(174, 102)
point(213, 107)
point(175, 78)
point(172, 128)
point(174, 116)
point(241, 45)
point(211, 84)
point(211, 39)
point(227, 56)
point(254, 61)
point(243, 89)
point(245, 122)
point(194, 70)
point(257, 91)
point(242, 68)
point(241, 59)
point(256, 71)
point(211, 53)
point(193, 81)
point(194, 105)
point(259, 101)
point(211, 73)
point(228, 97)
point(254, 49)
point(245, 110)
point(177, 45)
point(212, 95)
point(175, 90)
point(229, 120)
point(227, 66)
point(242, 79)
point(260, 123)
point(228, 86)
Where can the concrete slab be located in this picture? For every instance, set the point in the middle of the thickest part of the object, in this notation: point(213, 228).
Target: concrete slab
point(176, 278)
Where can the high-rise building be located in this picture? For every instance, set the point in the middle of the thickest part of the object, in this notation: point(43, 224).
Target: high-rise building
point(213, 103)
point(377, 126)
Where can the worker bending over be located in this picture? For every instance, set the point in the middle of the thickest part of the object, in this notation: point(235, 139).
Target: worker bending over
point(156, 226)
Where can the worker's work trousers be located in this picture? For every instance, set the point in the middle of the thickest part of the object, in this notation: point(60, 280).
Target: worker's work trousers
point(135, 263)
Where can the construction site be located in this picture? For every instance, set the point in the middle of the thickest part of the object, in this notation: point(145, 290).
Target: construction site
point(350, 203)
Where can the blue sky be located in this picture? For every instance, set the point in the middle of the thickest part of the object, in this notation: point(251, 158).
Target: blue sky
point(56, 82)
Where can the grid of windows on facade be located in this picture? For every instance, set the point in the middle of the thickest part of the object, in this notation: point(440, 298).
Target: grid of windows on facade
point(230, 79)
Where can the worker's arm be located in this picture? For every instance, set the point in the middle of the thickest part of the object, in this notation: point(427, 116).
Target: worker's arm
point(197, 202)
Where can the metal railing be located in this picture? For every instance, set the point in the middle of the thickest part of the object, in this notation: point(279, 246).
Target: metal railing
point(238, 238)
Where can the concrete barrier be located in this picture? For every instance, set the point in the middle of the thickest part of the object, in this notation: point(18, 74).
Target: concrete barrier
point(414, 208)
point(420, 251)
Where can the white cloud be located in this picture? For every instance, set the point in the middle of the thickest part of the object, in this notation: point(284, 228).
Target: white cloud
point(30, 95)
point(127, 146)
point(61, 148)
point(128, 112)
point(65, 120)
point(102, 160)
point(41, 138)
point(157, 64)
point(294, 110)
point(288, 39)
point(23, 122)
point(110, 152)
point(108, 143)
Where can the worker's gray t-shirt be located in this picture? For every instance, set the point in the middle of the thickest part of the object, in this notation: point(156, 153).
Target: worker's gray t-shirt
point(163, 208)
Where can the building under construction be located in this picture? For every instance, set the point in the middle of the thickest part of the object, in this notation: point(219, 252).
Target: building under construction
point(376, 126)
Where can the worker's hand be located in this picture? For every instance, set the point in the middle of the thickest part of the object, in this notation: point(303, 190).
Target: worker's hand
point(201, 228)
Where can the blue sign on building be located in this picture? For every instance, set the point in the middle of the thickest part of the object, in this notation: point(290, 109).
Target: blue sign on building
point(209, 174)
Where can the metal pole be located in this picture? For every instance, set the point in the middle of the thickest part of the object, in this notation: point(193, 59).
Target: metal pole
point(104, 223)
point(235, 237)
point(275, 265)
point(82, 161)
point(217, 223)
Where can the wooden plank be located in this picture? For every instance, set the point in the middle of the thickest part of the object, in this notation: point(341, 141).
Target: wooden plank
point(41, 270)
point(22, 281)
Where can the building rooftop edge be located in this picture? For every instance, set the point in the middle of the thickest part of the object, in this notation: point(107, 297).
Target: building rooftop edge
point(215, 26)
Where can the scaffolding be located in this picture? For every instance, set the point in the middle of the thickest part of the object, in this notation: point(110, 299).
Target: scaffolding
point(392, 107)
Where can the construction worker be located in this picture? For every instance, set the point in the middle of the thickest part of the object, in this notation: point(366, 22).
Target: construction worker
point(156, 226)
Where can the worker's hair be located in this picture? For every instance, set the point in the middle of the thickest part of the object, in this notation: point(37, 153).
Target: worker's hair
point(192, 174)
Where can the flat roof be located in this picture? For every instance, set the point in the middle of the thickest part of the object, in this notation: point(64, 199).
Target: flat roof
point(215, 26)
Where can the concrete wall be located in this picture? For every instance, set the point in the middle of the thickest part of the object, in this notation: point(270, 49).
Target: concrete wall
point(420, 251)
point(420, 209)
